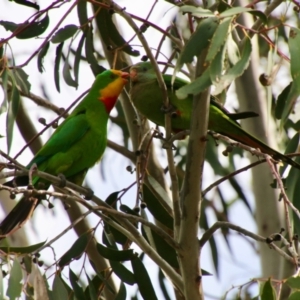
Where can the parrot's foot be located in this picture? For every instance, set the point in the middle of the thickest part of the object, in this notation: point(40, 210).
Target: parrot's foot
point(166, 144)
point(214, 136)
point(63, 180)
point(170, 110)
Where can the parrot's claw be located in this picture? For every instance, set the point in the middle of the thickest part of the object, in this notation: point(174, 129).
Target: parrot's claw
point(167, 145)
point(63, 180)
point(214, 136)
point(169, 110)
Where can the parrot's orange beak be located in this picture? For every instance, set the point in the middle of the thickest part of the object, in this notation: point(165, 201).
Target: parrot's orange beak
point(133, 74)
point(124, 76)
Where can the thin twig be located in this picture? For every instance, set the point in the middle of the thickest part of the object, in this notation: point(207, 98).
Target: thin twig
point(287, 203)
point(208, 234)
point(232, 174)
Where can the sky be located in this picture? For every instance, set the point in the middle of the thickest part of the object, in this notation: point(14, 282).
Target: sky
point(235, 268)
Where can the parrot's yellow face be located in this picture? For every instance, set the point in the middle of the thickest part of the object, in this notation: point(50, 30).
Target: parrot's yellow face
point(117, 81)
point(109, 94)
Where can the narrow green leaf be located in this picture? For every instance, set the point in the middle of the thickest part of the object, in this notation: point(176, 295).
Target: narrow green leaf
point(9, 26)
point(164, 249)
point(64, 33)
point(27, 262)
point(78, 291)
point(236, 71)
point(117, 255)
point(78, 57)
point(153, 199)
point(91, 289)
point(119, 237)
point(112, 199)
point(111, 33)
point(11, 115)
point(122, 272)
point(21, 79)
point(108, 238)
point(294, 282)
point(294, 47)
point(294, 296)
point(76, 250)
point(59, 291)
point(89, 52)
point(162, 284)
point(217, 64)
point(219, 38)
point(101, 279)
point(82, 13)
point(121, 293)
point(268, 292)
point(40, 286)
point(110, 232)
point(159, 190)
point(195, 87)
point(197, 11)
point(292, 183)
point(238, 10)
point(4, 104)
point(292, 147)
point(14, 288)
point(212, 243)
point(233, 52)
point(289, 102)
point(126, 209)
point(22, 250)
point(34, 29)
point(67, 74)
point(282, 101)
point(198, 41)
point(28, 4)
point(143, 280)
point(67, 70)
point(260, 15)
point(57, 64)
point(30, 30)
point(41, 55)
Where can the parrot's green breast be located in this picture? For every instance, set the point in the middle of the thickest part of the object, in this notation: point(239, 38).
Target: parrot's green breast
point(148, 100)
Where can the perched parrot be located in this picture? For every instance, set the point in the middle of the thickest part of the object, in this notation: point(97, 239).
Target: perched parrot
point(148, 100)
point(76, 145)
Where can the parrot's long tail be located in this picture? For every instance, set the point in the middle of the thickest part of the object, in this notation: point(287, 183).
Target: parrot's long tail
point(18, 216)
point(253, 142)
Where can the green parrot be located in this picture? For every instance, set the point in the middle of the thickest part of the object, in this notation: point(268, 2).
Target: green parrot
point(148, 100)
point(76, 145)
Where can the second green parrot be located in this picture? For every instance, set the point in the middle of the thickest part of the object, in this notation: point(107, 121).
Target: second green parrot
point(76, 145)
point(148, 100)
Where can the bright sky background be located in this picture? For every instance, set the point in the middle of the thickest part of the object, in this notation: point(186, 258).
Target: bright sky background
point(235, 269)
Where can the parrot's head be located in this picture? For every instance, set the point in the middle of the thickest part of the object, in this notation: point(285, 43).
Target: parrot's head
point(110, 84)
point(142, 72)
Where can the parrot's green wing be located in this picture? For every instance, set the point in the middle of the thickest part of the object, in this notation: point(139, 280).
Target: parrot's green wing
point(71, 131)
